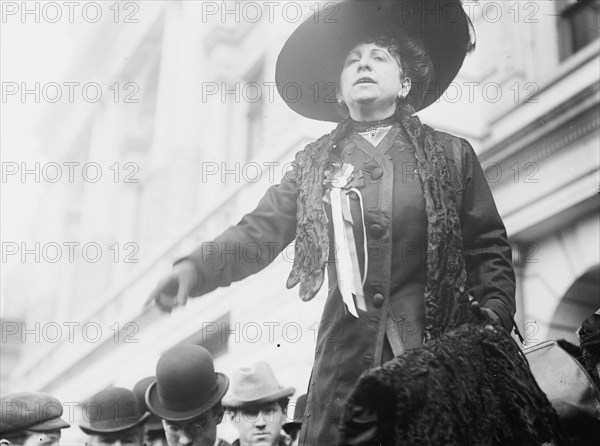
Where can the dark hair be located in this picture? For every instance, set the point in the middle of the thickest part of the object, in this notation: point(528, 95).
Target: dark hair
point(412, 57)
point(283, 402)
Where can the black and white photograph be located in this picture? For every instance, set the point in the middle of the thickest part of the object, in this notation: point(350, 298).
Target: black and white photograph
point(300, 223)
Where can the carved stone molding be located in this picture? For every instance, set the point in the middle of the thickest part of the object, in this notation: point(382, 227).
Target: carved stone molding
point(555, 132)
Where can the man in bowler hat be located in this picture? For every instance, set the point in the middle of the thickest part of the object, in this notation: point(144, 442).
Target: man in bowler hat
point(113, 417)
point(258, 406)
point(30, 418)
point(187, 396)
point(154, 433)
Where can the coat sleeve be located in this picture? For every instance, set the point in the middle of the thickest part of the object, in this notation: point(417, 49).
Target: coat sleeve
point(252, 244)
point(487, 253)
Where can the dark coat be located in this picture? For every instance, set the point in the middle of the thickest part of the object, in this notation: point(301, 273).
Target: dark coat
point(396, 227)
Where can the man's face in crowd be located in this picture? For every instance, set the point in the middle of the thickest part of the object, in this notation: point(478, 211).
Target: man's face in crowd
point(131, 436)
point(259, 425)
point(30, 438)
point(156, 437)
point(200, 431)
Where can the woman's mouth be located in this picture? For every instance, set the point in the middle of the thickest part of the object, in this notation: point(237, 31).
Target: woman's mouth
point(364, 80)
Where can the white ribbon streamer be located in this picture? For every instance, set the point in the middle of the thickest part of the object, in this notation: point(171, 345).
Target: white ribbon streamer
point(347, 267)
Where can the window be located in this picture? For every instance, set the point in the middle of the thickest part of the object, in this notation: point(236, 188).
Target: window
point(578, 25)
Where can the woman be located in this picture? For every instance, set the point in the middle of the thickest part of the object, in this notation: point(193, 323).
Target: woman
point(401, 215)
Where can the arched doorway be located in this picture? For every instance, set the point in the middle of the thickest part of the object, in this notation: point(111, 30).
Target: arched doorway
point(580, 301)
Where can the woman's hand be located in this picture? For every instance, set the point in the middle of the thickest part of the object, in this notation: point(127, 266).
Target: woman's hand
point(484, 314)
point(173, 291)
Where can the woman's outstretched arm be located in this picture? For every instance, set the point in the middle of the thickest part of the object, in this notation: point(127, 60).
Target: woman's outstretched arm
point(238, 252)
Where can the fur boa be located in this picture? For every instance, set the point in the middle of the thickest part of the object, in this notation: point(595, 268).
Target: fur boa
point(470, 387)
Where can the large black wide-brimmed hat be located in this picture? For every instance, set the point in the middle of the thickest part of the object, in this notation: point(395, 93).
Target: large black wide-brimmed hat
point(310, 62)
point(186, 384)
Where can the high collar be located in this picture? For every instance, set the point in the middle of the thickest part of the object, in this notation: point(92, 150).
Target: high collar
point(364, 126)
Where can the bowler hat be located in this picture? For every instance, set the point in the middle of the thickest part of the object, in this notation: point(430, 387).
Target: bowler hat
point(139, 390)
point(33, 411)
point(255, 385)
point(114, 409)
point(186, 384)
point(298, 415)
point(310, 62)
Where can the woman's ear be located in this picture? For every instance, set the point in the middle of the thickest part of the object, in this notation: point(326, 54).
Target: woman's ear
point(406, 86)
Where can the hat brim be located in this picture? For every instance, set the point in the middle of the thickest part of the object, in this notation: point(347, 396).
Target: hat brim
point(288, 427)
point(89, 430)
point(309, 64)
point(232, 402)
point(155, 406)
point(49, 425)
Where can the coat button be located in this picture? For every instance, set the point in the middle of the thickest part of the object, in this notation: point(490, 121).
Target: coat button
point(376, 231)
point(378, 300)
point(377, 172)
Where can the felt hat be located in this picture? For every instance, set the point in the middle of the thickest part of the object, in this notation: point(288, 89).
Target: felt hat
point(255, 385)
point(139, 390)
point(33, 411)
point(186, 384)
point(114, 409)
point(310, 62)
point(298, 419)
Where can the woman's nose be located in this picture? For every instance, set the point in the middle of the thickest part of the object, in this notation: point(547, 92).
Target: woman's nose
point(364, 63)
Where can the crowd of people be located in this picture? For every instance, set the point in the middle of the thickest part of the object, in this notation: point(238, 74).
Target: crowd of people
point(180, 406)
point(186, 400)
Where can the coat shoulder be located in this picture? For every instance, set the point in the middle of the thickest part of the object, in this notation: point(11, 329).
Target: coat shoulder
point(457, 149)
point(451, 142)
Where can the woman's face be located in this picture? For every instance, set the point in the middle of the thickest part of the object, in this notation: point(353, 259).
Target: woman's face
point(371, 76)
